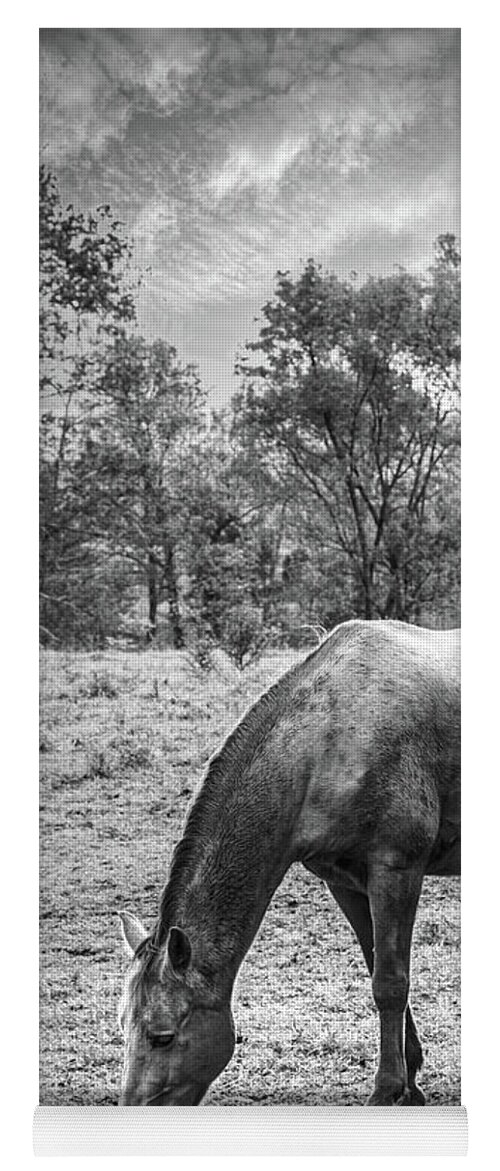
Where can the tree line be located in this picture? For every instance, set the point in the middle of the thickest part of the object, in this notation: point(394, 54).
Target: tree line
point(328, 487)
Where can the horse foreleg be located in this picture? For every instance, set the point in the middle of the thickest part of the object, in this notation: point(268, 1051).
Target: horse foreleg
point(393, 894)
point(356, 909)
point(414, 1059)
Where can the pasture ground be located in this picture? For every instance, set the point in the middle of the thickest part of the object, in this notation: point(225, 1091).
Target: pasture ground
point(124, 740)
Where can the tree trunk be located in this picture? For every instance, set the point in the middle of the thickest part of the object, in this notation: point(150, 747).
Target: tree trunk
point(395, 604)
point(152, 599)
point(173, 601)
point(368, 604)
point(183, 585)
point(365, 602)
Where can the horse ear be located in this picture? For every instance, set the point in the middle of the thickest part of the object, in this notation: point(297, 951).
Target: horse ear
point(178, 950)
point(132, 930)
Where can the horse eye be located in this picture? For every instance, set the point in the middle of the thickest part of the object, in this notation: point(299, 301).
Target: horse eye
point(161, 1040)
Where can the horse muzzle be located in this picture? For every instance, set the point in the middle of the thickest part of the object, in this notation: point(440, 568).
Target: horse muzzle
point(188, 1095)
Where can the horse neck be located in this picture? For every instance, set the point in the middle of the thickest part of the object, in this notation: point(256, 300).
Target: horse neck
point(232, 858)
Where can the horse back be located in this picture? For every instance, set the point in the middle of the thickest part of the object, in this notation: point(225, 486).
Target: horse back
point(369, 742)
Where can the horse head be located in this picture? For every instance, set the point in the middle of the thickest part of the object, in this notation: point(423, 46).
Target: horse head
point(179, 1033)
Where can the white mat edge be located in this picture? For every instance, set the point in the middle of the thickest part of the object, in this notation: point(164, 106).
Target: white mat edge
point(249, 1130)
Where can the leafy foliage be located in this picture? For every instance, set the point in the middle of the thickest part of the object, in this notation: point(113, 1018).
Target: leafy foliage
point(328, 489)
point(137, 462)
point(355, 406)
point(82, 300)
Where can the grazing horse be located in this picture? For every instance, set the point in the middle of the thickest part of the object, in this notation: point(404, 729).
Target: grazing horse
point(349, 764)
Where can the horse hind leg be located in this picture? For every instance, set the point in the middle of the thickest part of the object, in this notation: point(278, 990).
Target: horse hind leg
point(393, 893)
point(356, 908)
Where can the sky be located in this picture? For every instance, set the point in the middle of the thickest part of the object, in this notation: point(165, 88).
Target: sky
point(232, 153)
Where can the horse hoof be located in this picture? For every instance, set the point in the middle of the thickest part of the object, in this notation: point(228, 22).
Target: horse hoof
point(383, 1098)
point(410, 1096)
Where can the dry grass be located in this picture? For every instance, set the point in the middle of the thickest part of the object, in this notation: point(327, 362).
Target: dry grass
point(124, 739)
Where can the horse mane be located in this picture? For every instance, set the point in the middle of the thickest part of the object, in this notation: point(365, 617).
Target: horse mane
point(221, 780)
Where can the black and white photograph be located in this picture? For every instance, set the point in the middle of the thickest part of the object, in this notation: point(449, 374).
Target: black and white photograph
point(250, 567)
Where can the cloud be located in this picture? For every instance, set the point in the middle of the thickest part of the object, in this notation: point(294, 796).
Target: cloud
point(232, 153)
point(95, 81)
point(251, 165)
point(79, 109)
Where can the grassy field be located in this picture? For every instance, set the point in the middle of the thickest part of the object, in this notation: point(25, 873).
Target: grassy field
point(124, 740)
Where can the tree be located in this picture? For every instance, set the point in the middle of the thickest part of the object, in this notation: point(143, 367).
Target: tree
point(81, 270)
point(82, 300)
point(137, 465)
point(355, 402)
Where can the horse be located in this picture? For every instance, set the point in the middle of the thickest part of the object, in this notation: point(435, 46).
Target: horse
point(349, 764)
